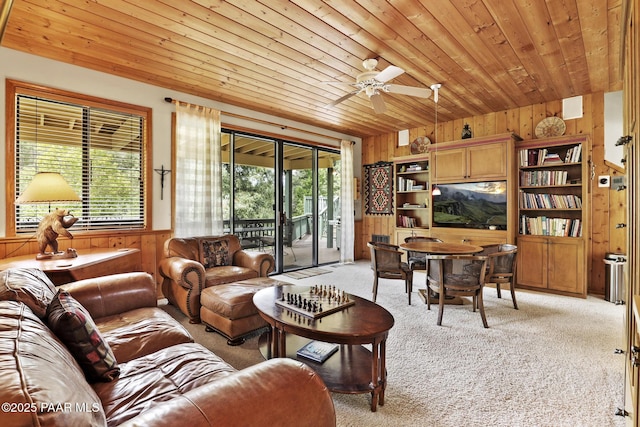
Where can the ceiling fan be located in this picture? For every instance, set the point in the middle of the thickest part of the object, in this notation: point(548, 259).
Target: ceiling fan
point(373, 83)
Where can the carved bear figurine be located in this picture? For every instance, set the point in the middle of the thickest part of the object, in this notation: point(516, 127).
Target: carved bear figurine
point(52, 225)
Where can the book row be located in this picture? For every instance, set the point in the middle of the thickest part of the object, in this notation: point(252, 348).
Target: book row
point(405, 184)
point(407, 221)
point(540, 178)
point(542, 156)
point(549, 201)
point(544, 226)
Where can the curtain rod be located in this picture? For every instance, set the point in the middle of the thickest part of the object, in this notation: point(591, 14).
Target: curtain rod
point(253, 119)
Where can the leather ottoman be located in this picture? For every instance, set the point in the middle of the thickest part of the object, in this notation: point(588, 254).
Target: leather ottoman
point(229, 310)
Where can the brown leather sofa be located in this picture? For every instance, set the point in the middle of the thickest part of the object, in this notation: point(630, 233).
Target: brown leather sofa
point(165, 379)
point(192, 264)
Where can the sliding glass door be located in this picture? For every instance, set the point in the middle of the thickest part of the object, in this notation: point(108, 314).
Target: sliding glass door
point(294, 218)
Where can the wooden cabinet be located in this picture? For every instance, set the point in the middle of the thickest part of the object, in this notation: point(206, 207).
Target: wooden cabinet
point(412, 196)
point(553, 212)
point(552, 263)
point(476, 160)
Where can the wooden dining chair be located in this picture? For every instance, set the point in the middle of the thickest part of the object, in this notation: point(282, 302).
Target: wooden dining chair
point(456, 275)
point(501, 267)
point(386, 263)
point(417, 260)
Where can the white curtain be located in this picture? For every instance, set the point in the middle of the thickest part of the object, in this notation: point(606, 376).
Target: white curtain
point(198, 172)
point(346, 203)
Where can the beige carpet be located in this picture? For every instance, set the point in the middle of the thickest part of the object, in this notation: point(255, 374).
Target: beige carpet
point(551, 363)
point(307, 272)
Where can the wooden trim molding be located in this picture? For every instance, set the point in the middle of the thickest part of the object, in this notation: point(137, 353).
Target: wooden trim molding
point(4, 16)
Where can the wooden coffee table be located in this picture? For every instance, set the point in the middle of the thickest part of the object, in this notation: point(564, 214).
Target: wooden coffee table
point(354, 368)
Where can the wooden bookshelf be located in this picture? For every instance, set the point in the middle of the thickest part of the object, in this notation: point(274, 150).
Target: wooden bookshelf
point(553, 214)
point(412, 198)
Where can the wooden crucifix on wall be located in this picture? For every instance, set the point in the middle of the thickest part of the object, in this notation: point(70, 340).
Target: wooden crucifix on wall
point(162, 171)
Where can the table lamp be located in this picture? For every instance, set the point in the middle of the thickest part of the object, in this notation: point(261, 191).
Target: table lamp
point(47, 187)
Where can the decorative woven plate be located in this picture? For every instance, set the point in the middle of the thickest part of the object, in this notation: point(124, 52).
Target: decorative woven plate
point(551, 126)
point(420, 145)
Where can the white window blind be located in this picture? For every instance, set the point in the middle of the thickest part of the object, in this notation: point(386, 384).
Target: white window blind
point(99, 152)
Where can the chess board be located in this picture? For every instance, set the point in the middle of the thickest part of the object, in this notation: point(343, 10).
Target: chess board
point(315, 302)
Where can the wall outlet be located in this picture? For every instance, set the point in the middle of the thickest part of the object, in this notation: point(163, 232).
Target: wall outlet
point(604, 181)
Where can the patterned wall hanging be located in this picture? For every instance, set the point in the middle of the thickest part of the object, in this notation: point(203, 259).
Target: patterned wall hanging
point(378, 188)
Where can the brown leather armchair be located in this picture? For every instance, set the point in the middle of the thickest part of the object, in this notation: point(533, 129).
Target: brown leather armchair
point(195, 263)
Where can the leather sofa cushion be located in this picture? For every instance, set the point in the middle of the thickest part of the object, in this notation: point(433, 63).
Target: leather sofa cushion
point(36, 368)
point(28, 285)
point(159, 377)
point(142, 331)
point(227, 274)
point(73, 325)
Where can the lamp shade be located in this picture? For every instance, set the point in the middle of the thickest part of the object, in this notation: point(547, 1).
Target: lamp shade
point(47, 187)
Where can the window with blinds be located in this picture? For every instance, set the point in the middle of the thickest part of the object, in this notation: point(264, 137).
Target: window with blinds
point(98, 151)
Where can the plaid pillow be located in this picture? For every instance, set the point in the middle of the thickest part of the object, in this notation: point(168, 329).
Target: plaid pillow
point(214, 253)
point(73, 325)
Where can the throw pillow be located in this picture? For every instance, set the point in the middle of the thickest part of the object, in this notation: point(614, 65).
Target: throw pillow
point(214, 253)
point(73, 325)
point(29, 286)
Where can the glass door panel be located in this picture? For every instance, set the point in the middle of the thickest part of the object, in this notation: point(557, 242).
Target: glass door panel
point(298, 236)
point(253, 204)
point(328, 207)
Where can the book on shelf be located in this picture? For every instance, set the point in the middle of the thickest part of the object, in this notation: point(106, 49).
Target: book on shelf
point(543, 178)
point(542, 156)
point(551, 158)
point(549, 201)
point(407, 221)
point(318, 351)
point(573, 154)
point(546, 226)
point(414, 168)
point(405, 184)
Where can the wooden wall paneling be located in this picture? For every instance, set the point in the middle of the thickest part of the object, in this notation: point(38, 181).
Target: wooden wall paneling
point(525, 122)
point(600, 206)
point(135, 241)
point(511, 122)
point(117, 242)
point(538, 113)
point(149, 257)
point(618, 215)
point(100, 242)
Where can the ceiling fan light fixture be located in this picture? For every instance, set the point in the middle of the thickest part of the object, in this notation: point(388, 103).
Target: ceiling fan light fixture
point(370, 64)
point(374, 84)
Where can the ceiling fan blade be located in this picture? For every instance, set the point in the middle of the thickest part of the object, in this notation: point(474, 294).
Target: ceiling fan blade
point(343, 98)
point(388, 73)
point(377, 103)
point(409, 90)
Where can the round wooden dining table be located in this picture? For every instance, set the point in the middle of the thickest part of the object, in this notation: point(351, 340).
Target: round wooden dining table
point(440, 248)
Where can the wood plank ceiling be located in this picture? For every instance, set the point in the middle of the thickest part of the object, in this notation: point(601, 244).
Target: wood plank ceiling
point(275, 56)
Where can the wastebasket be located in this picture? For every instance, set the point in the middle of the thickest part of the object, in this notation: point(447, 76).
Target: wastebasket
point(614, 278)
